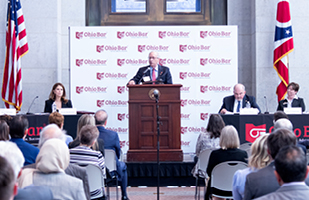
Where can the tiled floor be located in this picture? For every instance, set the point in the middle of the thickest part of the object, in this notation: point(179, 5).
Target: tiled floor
point(150, 193)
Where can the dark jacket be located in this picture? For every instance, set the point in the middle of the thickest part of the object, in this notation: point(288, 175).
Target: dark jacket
point(164, 75)
point(295, 103)
point(49, 103)
point(228, 103)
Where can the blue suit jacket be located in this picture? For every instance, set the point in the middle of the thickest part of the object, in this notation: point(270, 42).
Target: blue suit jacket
point(228, 103)
point(164, 75)
point(29, 151)
point(111, 141)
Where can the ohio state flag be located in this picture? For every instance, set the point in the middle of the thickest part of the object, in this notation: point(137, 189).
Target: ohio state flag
point(283, 46)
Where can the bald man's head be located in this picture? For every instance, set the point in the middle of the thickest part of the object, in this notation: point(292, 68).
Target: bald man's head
point(100, 117)
point(51, 131)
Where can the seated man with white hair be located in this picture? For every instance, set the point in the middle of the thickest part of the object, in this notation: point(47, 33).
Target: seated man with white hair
point(287, 124)
point(12, 153)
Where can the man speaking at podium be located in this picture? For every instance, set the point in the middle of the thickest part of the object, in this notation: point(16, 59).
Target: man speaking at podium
point(152, 72)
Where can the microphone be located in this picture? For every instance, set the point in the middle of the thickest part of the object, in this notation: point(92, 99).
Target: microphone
point(143, 75)
point(156, 93)
point(31, 105)
point(266, 112)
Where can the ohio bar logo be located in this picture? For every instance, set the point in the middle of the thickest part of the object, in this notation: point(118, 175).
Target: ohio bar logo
point(131, 34)
point(215, 61)
point(101, 103)
point(204, 34)
point(121, 62)
point(253, 132)
point(195, 75)
point(91, 35)
point(122, 116)
point(161, 48)
point(174, 34)
point(90, 62)
point(204, 116)
point(111, 48)
point(206, 88)
point(89, 89)
point(121, 89)
point(184, 47)
point(103, 75)
point(174, 61)
point(194, 102)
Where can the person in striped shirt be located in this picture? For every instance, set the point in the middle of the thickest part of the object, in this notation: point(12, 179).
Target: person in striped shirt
point(83, 154)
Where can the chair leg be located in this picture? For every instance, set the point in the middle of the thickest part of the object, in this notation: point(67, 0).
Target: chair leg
point(196, 182)
point(117, 188)
point(108, 197)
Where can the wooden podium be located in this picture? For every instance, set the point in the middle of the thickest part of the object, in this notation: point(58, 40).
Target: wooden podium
point(143, 123)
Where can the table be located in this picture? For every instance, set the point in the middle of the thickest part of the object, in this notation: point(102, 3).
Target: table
point(249, 127)
point(38, 122)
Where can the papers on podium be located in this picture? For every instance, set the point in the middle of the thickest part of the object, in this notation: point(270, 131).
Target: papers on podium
point(67, 111)
point(249, 111)
point(7, 111)
point(294, 110)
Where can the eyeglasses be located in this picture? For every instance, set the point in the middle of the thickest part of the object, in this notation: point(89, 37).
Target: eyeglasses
point(152, 57)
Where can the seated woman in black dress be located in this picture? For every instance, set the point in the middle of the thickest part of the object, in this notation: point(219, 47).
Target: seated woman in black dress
point(229, 143)
point(57, 95)
point(292, 100)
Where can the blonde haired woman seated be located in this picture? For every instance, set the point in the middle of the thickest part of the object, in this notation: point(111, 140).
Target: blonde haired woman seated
point(229, 143)
point(259, 158)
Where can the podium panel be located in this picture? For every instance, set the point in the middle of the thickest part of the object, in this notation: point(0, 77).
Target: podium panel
point(143, 123)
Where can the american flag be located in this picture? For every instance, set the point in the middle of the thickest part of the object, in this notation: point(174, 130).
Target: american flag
point(283, 46)
point(16, 47)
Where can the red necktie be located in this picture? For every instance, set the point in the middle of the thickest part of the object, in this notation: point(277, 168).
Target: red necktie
point(153, 76)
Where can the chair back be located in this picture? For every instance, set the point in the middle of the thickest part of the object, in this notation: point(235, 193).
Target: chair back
point(222, 175)
point(246, 147)
point(96, 180)
point(203, 158)
point(110, 159)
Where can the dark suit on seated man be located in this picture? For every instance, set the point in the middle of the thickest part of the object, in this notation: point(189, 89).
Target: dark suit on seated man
point(111, 141)
point(291, 171)
point(238, 101)
point(152, 72)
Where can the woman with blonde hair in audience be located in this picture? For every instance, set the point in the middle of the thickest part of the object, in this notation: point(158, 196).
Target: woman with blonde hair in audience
point(229, 151)
point(86, 119)
point(208, 140)
point(259, 159)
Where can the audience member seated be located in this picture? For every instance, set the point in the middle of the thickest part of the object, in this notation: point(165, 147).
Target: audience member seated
point(58, 119)
point(86, 119)
point(258, 159)
point(8, 186)
point(58, 96)
point(18, 130)
point(208, 140)
point(4, 131)
point(229, 143)
point(264, 181)
point(287, 124)
point(292, 100)
point(53, 131)
point(53, 159)
point(111, 141)
point(279, 115)
point(12, 153)
point(83, 154)
point(239, 100)
point(291, 171)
